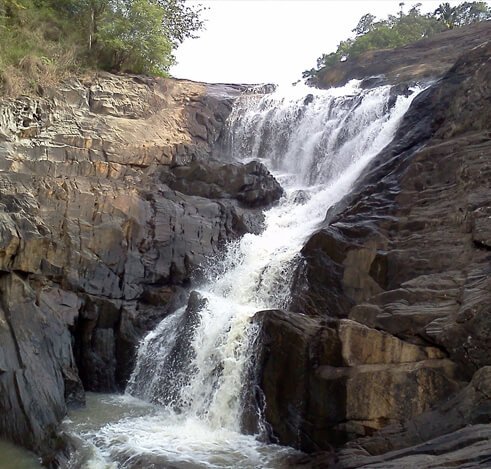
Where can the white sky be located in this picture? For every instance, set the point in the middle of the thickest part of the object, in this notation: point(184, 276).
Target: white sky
point(273, 41)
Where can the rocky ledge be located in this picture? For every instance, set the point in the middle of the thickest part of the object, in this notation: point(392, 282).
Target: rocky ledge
point(109, 203)
point(386, 354)
point(420, 61)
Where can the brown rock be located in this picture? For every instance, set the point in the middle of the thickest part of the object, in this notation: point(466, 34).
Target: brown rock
point(326, 382)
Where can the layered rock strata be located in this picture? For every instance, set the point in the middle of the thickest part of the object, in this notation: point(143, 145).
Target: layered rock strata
point(109, 203)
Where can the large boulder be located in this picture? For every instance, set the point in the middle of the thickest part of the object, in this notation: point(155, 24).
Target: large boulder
point(326, 382)
point(251, 184)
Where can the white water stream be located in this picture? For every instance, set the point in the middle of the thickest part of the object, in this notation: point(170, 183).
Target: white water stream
point(189, 381)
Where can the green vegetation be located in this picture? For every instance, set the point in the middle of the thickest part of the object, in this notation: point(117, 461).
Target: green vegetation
point(44, 40)
point(400, 30)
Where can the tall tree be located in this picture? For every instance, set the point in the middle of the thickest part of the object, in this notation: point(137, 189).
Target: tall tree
point(131, 38)
point(365, 24)
point(132, 35)
point(94, 11)
point(471, 12)
point(446, 14)
point(180, 20)
point(87, 14)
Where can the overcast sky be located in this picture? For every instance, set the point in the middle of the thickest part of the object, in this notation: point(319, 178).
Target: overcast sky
point(272, 41)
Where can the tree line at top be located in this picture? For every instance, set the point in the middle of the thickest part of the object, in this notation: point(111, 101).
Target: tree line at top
point(136, 36)
point(401, 29)
point(42, 40)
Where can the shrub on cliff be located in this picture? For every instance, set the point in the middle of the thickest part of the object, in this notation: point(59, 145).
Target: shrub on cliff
point(130, 38)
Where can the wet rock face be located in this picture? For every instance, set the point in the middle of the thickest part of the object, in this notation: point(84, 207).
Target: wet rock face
point(98, 238)
point(396, 290)
point(251, 184)
point(329, 381)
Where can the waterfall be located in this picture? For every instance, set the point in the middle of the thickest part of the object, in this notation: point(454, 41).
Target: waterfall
point(193, 364)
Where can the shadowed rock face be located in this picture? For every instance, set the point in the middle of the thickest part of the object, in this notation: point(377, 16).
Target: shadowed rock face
point(101, 228)
point(419, 61)
point(328, 381)
point(395, 289)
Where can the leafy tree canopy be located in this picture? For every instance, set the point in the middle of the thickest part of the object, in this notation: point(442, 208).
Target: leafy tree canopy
point(462, 15)
point(135, 36)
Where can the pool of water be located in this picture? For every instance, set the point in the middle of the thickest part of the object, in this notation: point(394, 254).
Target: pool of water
point(14, 457)
point(119, 431)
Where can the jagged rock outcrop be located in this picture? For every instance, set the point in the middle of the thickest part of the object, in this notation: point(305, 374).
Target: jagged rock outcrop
point(251, 184)
point(100, 232)
point(328, 381)
point(420, 61)
point(395, 288)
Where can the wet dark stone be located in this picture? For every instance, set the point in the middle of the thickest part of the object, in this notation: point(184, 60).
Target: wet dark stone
point(404, 254)
point(308, 99)
point(251, 184)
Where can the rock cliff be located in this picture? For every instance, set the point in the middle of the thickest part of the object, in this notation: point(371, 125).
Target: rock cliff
point(392, 350)
point(109, 203)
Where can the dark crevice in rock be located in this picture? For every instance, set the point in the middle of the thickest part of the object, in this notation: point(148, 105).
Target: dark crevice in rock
point(481, 245)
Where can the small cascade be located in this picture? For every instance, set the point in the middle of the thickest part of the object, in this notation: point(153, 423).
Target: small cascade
point(313, 135)
point(194, 364)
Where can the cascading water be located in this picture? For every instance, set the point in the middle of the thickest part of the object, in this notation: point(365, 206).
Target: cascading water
point(193, 364)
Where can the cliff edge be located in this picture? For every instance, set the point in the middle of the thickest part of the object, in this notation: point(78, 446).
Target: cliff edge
point(420, 61)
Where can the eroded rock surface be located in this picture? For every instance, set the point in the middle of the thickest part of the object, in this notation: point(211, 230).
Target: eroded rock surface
point(100, 233)
point(394, 292)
